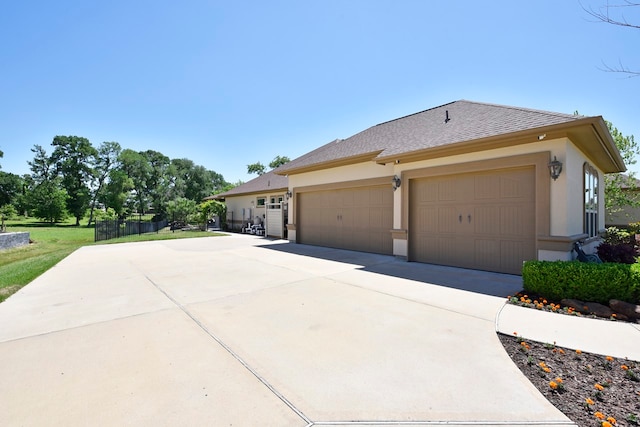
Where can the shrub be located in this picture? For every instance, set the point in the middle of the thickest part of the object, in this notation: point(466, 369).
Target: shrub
point(622, 252)
point(615, 236)
point(584, 281)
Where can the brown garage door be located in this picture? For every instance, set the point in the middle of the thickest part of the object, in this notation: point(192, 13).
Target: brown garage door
point(359, 219)
point(483, 220)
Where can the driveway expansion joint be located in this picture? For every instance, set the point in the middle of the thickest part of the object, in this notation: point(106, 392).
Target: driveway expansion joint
point(233, 354)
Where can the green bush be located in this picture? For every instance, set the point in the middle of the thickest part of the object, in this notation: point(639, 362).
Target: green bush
point(583, 281)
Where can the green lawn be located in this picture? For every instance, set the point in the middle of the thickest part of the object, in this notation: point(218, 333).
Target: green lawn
point(51, 244)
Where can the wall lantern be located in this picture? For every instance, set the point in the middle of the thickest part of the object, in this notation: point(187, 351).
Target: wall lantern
point(555, 167)
point(395, 182)
point(288, 194)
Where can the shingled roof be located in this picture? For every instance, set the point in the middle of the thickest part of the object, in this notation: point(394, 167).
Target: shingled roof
point(264, 183)
point(444, 126)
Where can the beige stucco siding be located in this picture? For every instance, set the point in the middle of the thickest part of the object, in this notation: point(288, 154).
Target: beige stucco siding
point(563, 197)
point(248, 203)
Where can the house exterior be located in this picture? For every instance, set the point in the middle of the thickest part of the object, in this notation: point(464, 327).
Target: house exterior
point(465, 184)
point(256, 202)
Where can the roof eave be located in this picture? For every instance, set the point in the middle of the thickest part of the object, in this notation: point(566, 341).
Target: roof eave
point(590, 134)
point(330, 164)
point(249, 193)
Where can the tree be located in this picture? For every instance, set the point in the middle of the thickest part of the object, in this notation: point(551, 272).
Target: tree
point(614, 14)
point(117, 192)
point(181, 209)
point(211, 208)
point(105, 161)
point(138, 170)
point(48, 201)
point(256, 168)
point(6, 212)
point(11, 187)
point(42, 167)
point(260, 169)
point(279, 161)
point(73, 156)
point(159, 180)
point(1, 156)
point(616, 198)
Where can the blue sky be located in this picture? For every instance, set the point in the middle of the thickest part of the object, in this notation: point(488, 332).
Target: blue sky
point(228, 83)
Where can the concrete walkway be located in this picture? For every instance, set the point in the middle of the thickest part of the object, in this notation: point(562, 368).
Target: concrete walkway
point(244, 331)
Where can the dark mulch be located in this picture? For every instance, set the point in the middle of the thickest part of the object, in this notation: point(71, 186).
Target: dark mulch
point(580, 375)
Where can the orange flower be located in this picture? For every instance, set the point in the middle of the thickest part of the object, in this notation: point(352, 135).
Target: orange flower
point(553, 385)
point(589, 401)
point(606, 424)
point(599, 415)
point(559, 380)
point(578, 351)
point(609, 359)
point(598, 387)
point(611, 420)
point(561, 351)
point(624, 367)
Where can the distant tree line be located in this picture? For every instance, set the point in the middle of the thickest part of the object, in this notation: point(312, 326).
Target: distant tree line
point(78, 179)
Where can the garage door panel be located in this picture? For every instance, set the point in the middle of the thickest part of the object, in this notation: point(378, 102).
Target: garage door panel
point(449, 220)
point(484, 220)
point(481, 220)
point(352, 218)
point(486, 187)
point(514, 220)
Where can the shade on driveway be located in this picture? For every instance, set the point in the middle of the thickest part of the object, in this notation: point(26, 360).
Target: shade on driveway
point(240, 330)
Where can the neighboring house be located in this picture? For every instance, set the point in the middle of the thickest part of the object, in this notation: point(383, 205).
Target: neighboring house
point(626, 214)
point(465, 184)
point(257, 201)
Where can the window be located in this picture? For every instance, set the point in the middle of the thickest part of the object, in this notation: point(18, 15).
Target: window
point(275, 199)
point(261, 201)
point(590, 200)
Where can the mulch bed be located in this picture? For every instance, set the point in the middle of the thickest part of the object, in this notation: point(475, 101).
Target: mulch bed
point(590, 389)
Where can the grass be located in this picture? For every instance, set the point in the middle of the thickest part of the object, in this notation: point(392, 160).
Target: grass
point(51, 244)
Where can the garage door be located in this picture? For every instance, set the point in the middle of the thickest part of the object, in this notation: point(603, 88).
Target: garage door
point(484, 221)
point(359, 219)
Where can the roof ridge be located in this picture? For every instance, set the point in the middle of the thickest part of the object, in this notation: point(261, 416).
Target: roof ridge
point(419, 112)
point(530, 110)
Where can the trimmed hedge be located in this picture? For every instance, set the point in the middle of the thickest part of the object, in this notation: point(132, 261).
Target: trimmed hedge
point(583, 281)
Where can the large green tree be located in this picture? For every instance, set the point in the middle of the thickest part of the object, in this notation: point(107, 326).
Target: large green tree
point(48, 201)
point(279, 161)
point(11, 187)
point(117, 192)
point(138, 170)
point(194, 182)
point(106, 160)
point(617, 185)
point(260, 169)
point(73, 157)
point(160, 180)
point(42, 166)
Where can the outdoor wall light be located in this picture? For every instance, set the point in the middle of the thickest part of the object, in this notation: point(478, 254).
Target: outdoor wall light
point(555, 167)
point(288, 194)
point(395, 182)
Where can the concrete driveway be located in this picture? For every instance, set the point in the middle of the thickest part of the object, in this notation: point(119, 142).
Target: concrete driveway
point(243, 331)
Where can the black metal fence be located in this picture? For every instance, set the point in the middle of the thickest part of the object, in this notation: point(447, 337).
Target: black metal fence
point(112, 229)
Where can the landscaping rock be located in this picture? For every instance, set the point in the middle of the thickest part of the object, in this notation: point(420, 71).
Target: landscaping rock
point(632, 311)
point(594, 308)
point(576, 304)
